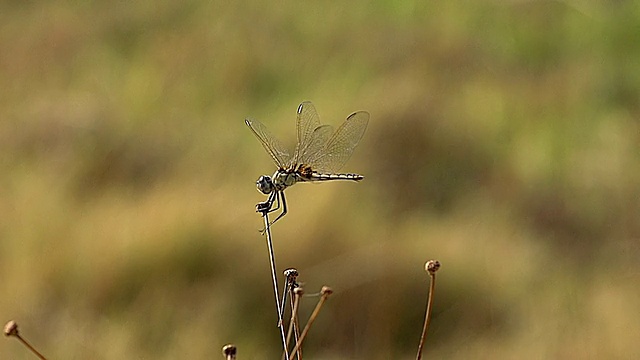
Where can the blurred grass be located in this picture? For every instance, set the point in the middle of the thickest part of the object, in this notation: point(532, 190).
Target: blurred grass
point(503, 141)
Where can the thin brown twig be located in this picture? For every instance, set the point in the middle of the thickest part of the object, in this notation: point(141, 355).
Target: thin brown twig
point(431, 267)
point(325, 292)
point(296, 328)
point(297, 294)
point(289, 284)
point(272, 262)
point(11, 329)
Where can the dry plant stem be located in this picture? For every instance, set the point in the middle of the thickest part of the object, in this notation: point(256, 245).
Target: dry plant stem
point(272, 261)
point(427, 318)
point(295, 292)
point(11, 329)
point(290, 282)
point(326, 291)
point(294, 320)
point(296, 325)
point(431, 269)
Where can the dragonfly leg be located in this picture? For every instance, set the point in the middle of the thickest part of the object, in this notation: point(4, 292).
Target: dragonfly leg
point(263, 207)
point(284, 208)
point(273, 198)
point(266, 206)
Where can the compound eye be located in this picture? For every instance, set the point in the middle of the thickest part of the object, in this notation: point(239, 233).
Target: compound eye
point(265, 185)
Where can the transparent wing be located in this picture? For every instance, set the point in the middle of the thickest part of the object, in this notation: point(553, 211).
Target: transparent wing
point(306, 123)
point(316, 145)
point(340, 146)
point(279, 155)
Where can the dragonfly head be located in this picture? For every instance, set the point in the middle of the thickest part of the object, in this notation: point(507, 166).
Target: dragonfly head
point(265, 185)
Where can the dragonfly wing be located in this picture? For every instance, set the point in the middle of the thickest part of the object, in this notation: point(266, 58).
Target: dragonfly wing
point(340, 146)
point(279, 155)
point(314, 147)
point(306, 123)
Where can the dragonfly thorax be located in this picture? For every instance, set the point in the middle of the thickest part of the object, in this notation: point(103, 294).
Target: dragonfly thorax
point(283, 178)
point(280, 180)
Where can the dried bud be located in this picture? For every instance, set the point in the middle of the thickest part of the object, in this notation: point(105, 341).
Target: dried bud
point(432, 266)
point(11, 329)
point(229, 351)
point(291, 273)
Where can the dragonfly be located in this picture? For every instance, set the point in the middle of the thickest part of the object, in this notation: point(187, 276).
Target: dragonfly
point(319, 154)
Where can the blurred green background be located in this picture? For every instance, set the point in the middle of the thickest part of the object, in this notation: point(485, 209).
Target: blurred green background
point(503, 141)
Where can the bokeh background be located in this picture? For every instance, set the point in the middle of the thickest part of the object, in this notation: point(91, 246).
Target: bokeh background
point(503, 142)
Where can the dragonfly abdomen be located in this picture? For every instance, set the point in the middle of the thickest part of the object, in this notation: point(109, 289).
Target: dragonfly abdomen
point(314, 176)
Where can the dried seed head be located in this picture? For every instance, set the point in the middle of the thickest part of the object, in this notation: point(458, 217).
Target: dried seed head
point(326, 291)
point(432, 266)
point(11, 329)
point(291, 273)
point(229, 350)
